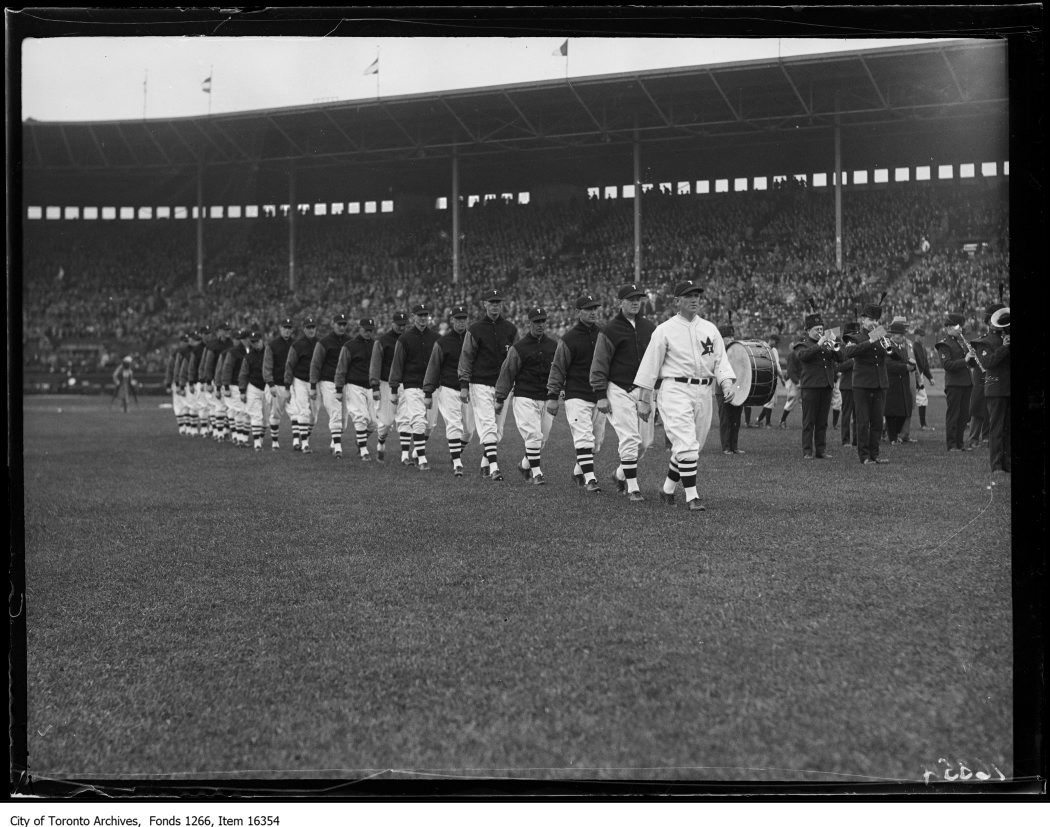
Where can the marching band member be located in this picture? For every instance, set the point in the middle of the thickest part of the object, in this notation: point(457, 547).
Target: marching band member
point(870, 381)
point(817, 355)
point(997, 391)
point(728, 415)
point(958, 383)
point(898, 394)
point(978, 409)
point(848, 422)
point(923, 377)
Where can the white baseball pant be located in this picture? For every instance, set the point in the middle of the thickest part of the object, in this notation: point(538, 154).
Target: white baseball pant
point(279, 404)
point(635, 435)
point(254, 406)
point(459, 418)
point(360, 408)
point(390, 419)
point(586, 423)
point(533, 421)
point(333, 407)
point(686, 413)
point(489, 424)
point(300, 406)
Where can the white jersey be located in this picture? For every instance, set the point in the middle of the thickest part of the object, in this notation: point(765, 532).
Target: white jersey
point(684, 350)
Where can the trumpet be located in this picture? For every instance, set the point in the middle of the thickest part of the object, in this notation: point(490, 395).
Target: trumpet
point(829, 341)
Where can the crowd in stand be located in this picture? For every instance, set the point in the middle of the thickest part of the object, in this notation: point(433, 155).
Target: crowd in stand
point(764, 256)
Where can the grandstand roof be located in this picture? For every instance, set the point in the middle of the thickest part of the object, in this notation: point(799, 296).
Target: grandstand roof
point(943, 102)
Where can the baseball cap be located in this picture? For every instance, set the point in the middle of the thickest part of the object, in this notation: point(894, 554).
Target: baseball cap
point(459, 312)
point(286, 323)
point(586, 300)
point(537, 314)
point(222, 326)
point(492, 296)
point(420, 310)
point(185, 337)
point(310, 321)
point(203, 330)
point(630, 291)
point(368, 324)
point(400, 318)
point(684, 288)
point(241, 334)
point(339, 318)
point(254, 335)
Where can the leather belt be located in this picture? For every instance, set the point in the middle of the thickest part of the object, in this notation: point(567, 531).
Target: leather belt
point(686, 380)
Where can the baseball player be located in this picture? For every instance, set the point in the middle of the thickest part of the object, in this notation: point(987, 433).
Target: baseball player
point(275, 357)
point(686, 355)
point(378, 379)
point(216, 410)
point(302, 408)
point(252, 386)
point(171, 372)
point(571, 372)
point(526, 369)
point(189, 386)
point(351, 384)
point(442, 380)
point(485, 347)
point(408, 368)
point(124, 382)
point(617, 353)
point(322, 374)
point(236, 411)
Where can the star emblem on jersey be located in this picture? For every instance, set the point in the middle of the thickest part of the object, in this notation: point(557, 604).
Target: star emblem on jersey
point(709, 346)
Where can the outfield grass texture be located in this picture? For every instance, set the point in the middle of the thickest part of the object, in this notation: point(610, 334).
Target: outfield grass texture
point(200, 611)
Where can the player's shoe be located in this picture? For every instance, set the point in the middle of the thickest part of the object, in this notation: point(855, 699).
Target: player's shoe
point(696, 505)
point(497, 477)
point(337, 452)
point(635, 497)
point(275, 446)
point(621, 485)
point(306, 449)
point(667, 499)
point(592, 487)
point(424, 466)
point(457, 470)
point(258, 449)
point(539, 479)
point(366, 457)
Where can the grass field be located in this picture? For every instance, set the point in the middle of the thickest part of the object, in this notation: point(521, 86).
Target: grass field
point(198, 611)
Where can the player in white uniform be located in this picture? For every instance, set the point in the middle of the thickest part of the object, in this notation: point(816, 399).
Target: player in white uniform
point(686, 355)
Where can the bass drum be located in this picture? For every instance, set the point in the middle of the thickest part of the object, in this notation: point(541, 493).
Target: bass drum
point(756, 375)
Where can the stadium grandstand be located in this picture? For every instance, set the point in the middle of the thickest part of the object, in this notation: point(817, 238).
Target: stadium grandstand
point(830, 177)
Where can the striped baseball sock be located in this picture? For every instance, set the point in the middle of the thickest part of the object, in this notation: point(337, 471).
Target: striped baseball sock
point(362, 442)
point(420, 441)
point(630, 473)
point(257, 435)
point(532, 455)
point(406, 444)
point(585, 460)
point(672, 478)
point(295, 432)
point(275, 433)
point(455, 450)
point(490, 457)
point(687, 468)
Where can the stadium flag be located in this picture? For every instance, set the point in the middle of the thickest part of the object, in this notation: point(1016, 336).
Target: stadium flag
point(562, 50)
point(373, 67)
point(206, 85)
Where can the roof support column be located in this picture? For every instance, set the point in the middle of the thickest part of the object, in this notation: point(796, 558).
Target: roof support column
point(200, 226)
point(637, 209)
point(293, 210)
point(838, 195)
point(454, 204)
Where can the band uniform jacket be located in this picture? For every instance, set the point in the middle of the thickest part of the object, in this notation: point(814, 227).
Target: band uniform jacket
point(818, 365)
point(997, 368)
point(982, 347)
point(953, 360)
point(900, 395)
point(869, 364)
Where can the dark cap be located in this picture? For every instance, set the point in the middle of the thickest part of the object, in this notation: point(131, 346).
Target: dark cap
point(367, 324)
point(630, 291)
point(537, 314)
point(685, 287)
point(872, 311)
point(813, 320)
point(222, 326)
point(726, 330)
point(920, 332)
point(203, 330)
point(492, 296)
point(185, 337)
point(898, 327)
point(241, 334)
point(286, 323)
point(459, 312)
point(400, 318)
point(850, 327)
point(954, 319)
point(340, 318)
point(420, 310)
point(254, 335)
point(310, 321)
point(586, 301)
